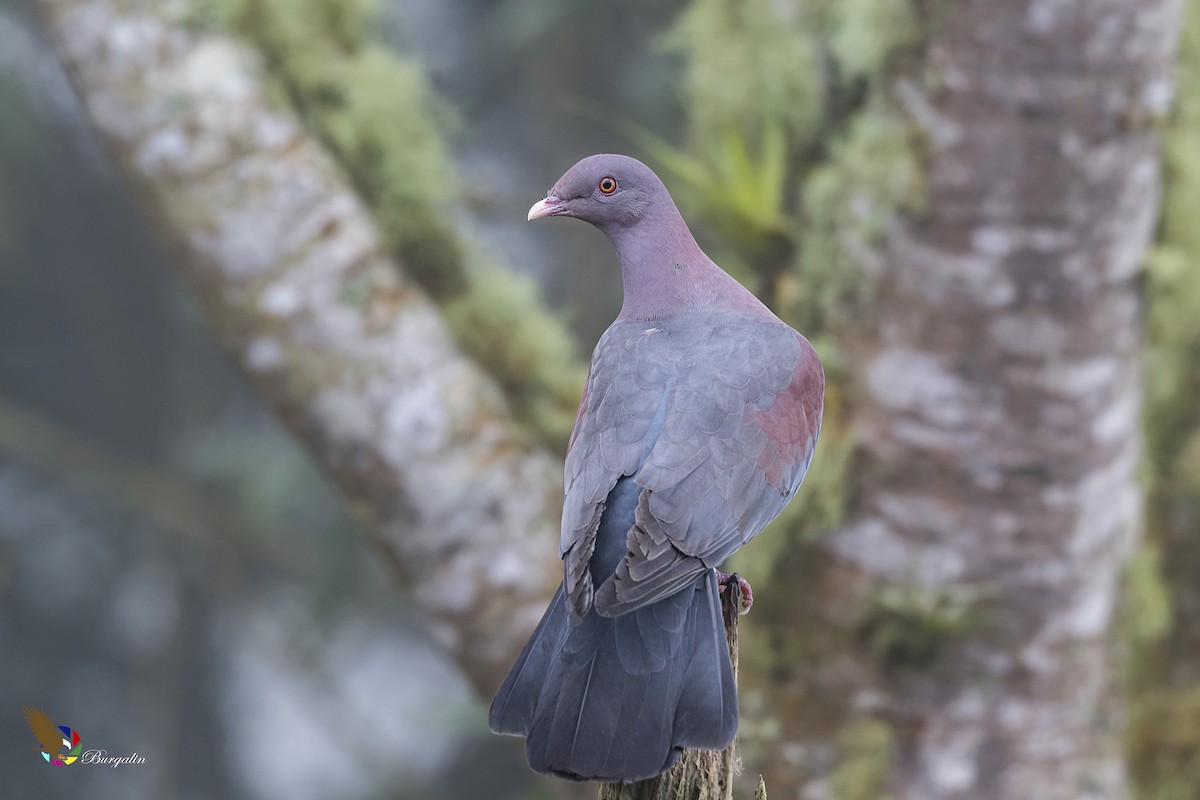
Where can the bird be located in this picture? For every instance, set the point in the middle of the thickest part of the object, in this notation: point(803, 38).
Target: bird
point(697, 424)
point(48, 736)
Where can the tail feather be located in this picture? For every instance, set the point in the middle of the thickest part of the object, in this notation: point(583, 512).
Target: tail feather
point(617, 699)
point(709, 690)
point(517, 699)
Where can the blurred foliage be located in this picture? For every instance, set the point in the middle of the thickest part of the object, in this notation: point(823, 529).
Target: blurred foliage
point(532, 351)
point(864, 34)
point(908, 624)
point(795, 153)
point(1145, 610)
point(748, 211)
point(1173, 294)
point(848, 201)
point(752, 89)
point(1164, 730)
point(798, 159)
point(728, 42)
point(1163, 742)
point(866, 748)
point(379, 115)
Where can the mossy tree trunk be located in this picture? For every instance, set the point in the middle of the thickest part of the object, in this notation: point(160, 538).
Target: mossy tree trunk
point(352, 354)
point(952, 639)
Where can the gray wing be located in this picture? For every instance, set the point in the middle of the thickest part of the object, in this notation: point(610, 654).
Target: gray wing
point(716, 418)
point(621, 408)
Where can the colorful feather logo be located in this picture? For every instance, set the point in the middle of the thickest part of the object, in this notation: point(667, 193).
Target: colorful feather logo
point(51, 738)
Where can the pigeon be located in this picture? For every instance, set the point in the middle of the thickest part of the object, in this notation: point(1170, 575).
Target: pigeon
point(697, 424)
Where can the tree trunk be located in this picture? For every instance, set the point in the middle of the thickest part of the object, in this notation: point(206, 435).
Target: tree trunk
point(354, 357)
point(952, 639)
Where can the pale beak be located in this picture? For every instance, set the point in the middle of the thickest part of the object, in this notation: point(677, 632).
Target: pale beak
point(545, 208)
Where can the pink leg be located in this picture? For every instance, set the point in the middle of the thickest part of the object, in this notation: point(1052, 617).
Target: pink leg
point(724, 580)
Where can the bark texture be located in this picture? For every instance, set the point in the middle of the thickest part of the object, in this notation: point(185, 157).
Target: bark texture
point(967, 604)
point(354, 356)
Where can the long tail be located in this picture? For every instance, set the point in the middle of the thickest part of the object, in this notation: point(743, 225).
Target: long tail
point(617, 699)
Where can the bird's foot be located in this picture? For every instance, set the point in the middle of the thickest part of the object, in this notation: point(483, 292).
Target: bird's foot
point(724, 580)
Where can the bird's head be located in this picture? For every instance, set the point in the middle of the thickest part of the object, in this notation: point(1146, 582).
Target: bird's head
point(609, 191)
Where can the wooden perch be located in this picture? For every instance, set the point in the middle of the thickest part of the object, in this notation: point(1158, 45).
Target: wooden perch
point(699, 774)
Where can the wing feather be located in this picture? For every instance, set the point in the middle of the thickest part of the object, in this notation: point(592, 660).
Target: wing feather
point(715, 416)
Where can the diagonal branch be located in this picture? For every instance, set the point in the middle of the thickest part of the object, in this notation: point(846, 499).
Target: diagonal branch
point(351, 353)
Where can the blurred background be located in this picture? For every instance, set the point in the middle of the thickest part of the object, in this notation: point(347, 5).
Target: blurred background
point(177, 578)
point(180, 578)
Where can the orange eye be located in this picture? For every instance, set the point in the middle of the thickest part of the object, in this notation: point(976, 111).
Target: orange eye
point(607, 185)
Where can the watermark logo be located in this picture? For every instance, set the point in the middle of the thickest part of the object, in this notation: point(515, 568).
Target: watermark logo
point(102, 758)
point(53, 739)
point(60, 747)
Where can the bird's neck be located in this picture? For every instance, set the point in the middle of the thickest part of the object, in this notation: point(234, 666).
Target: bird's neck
point(663, 269)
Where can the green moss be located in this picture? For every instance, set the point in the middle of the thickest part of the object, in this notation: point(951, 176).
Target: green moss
point(749, 63)
point(1173, 282)
point(526, 351)
point(1144, 618)
point(755, 95)
point(1146, 604)
point(387, 125)
point(867, 749)
point(799, 158)
point(378, 114)
point(872, 174)
point(1163, 580)
point(864, 34)
point(772, 93)
point(908, 625)
point(1163, 742)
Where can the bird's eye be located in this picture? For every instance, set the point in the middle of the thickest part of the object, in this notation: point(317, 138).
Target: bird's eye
point(607, 185)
